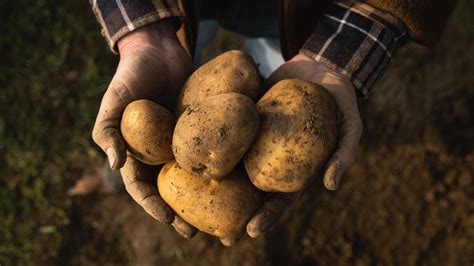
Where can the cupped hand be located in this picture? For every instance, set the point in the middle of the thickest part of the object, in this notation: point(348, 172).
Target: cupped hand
point(153, 65)
point(140, 182)
point(350, 132)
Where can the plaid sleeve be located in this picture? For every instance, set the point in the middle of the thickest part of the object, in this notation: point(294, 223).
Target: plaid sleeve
point(119, 17)
point(356, 41)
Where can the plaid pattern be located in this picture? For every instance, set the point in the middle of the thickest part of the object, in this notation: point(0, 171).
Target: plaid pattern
point(357, 41)
point(119, 17)
point(353, 39)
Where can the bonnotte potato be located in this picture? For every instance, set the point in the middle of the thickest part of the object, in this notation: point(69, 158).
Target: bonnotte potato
point(218, 207)
point(148, 130)
point(232, 71)
point(298, 133)
point(212, 136)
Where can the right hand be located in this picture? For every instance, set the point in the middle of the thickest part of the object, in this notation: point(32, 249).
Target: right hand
point(153, 65)
point(350, 131)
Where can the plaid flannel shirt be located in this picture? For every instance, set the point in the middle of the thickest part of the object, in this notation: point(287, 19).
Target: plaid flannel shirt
point(120, 17)
point(354, 39)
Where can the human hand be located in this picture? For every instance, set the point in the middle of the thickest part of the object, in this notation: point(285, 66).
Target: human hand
point(273, 207)
point(153, 65)
point(350, 123)
point(350, 132)
point(140, 182)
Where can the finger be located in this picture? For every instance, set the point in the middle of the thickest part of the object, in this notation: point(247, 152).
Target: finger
point(270, 212)
point(106, 132)
point(350, 133)
point(140, 183)
point(229, 241)
point(183, 228)
point(262, 221)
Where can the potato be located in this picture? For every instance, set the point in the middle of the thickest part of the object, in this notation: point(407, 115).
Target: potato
point(298, 133)
point(218, 207)
point(212, 136)
point(233, 71)
point(148, 129)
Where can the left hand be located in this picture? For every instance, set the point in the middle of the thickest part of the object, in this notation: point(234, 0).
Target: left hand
point(350, 132)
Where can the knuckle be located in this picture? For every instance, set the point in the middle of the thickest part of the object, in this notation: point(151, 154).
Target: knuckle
point(148, 200)
point(120, 90)
point(354, 120)
point(132, 192)
point(353, 124)
point(96, 133)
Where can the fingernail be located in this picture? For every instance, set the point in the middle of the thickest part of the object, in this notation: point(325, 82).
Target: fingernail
point(112, 157)
point(185, 230)
point(330, 183)
point(334, 185)
point(228, 242)
point(252, 230)
point(329, 177)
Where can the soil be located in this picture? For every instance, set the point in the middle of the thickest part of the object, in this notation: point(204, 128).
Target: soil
point(408, 199)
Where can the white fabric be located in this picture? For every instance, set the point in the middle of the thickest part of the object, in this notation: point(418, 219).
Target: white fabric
point(266, 53)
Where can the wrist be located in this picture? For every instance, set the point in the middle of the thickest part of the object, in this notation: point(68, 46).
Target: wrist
point(158, 34)
point(319, 73)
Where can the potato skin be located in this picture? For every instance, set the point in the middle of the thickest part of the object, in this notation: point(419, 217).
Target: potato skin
point(232, 71)
point(297, 135)
point(148, 130)
point(218, 207)
point(212, 136)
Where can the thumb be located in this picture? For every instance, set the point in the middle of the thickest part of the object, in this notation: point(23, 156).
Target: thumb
point(111, 142)
point(106, 132)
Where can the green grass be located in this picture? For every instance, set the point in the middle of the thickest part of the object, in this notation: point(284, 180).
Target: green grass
point(55, 66)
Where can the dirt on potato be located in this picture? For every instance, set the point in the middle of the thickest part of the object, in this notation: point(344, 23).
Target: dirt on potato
point(407, 200)
point(297, 135)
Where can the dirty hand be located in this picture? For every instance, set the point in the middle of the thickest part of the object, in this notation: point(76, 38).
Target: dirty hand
point(140, 181)
point(350, 132)
point(153, 65)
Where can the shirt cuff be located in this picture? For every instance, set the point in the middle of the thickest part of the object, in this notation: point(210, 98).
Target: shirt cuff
point(356, 41)
point(120, 17)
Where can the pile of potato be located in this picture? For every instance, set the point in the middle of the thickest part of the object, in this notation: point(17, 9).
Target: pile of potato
point(283, 139)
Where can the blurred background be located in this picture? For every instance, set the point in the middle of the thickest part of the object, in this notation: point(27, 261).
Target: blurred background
point(408, 200)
